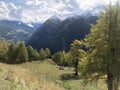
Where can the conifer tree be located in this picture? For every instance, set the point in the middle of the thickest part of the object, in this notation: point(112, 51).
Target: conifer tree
point(31, 53)
point(22, 54)
point(69, 61)
point(12, 53)
point(42, 54)
point(3, 50)
point(59, 58)
point(77, 53)
point(48, 52)
point(36, 55)
point(103, 48)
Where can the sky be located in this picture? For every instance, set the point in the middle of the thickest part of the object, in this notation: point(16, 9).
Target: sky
point(40, 10)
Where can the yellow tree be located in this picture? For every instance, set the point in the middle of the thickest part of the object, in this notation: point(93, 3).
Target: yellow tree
point(103, 48)
point(3, 50)
point(77, 53)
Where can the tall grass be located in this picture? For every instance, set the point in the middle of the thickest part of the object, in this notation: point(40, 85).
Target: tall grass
point(13, 77)
point(42, 76)
point(64, 78)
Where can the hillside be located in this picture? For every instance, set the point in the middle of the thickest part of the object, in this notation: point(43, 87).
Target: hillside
point(15, 77)
point(42, 76)
point(58, 35)
point(15, 30)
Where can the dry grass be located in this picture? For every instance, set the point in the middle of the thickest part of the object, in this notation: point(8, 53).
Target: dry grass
point(41, 76)
point(48, 70)
point(13, 77)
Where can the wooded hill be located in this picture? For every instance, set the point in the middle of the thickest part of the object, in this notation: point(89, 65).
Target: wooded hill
point(58, 35)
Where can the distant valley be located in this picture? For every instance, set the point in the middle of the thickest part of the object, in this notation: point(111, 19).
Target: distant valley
point(16, 31)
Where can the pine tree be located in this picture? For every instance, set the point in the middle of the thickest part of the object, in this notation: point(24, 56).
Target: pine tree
point(68, 59)
point(58, 58)
point(48, 52)
point(36, 55)
point(3, 50)
point(77, 53)
point(22, 54)
point(42, 54)
point(103, 48)
point(30, 53)
point(11, 53)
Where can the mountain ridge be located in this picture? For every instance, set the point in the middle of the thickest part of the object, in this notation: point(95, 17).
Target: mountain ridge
point(58, 35)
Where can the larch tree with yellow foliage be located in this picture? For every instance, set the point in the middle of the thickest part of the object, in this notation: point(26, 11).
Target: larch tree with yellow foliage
point(103, 48)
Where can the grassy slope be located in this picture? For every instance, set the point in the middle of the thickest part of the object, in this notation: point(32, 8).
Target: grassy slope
point(14, 77)
point(41, 76)
point(51, 73)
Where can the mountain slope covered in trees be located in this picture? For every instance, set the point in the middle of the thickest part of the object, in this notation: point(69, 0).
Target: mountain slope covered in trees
point(15, 30)
point(58, 35)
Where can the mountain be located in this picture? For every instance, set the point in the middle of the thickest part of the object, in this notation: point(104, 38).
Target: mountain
point(58, 34)
point(92, 12)
point(15, 30)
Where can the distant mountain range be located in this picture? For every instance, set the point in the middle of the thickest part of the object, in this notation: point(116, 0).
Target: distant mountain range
point(58, 34)
point(16, 31)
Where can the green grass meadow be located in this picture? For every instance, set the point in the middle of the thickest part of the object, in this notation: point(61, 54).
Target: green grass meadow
point(64, 78)
point(42, 75)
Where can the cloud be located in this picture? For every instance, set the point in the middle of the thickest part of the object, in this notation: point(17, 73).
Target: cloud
point(9, 11)
point(40, 10)
point(4, 11)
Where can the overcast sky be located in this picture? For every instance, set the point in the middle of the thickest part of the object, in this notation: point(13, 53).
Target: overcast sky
point(40, 10)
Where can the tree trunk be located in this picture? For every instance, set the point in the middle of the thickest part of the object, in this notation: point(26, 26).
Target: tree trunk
point(110, 81)
point(76, 67)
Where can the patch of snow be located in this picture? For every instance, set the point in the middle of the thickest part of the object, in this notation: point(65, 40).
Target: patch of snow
point(19, 23)
point(30, 25)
